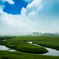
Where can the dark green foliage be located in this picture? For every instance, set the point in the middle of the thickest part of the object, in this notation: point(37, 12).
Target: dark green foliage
point(20, 44)
point(6, 37)
point(51, 42)
point(23, 46)
point(4, 57)
point(20, 55)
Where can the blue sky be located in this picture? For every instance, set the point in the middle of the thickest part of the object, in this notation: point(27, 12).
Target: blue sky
point(16, 8)
point(21, 16)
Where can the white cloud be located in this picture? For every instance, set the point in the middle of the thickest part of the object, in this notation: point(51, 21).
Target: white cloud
point(29, 20)
point(34, 6)
point(18, 23)
point(9, 1)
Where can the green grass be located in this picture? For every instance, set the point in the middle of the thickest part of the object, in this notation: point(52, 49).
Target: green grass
point(6, 37)
point(51, 42)
point(20, 44)
point(21, 55)
point(24, 46)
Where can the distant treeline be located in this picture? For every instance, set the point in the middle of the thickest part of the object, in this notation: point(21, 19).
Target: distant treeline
point(46, 34)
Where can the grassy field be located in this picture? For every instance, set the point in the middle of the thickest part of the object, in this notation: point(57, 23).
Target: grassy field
point(27, 50)
point(6, 37)
point(21, 55)
point(24, 46)
point(51, 42)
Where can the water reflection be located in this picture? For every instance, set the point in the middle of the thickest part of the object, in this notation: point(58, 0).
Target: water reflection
point(5, 48)
point(51, 52)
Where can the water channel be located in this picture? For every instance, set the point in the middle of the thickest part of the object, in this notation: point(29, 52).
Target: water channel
point(51, 52)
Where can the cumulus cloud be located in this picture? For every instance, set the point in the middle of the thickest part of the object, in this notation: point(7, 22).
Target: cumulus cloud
point(39, 11)
point(15, 23)
point(32, 18)
point(9, 1)
point(34, 6)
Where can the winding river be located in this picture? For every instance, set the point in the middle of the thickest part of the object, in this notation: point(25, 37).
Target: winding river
point(51, 52)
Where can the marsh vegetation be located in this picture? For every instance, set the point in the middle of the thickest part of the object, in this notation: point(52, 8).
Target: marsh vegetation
point(27, 50)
